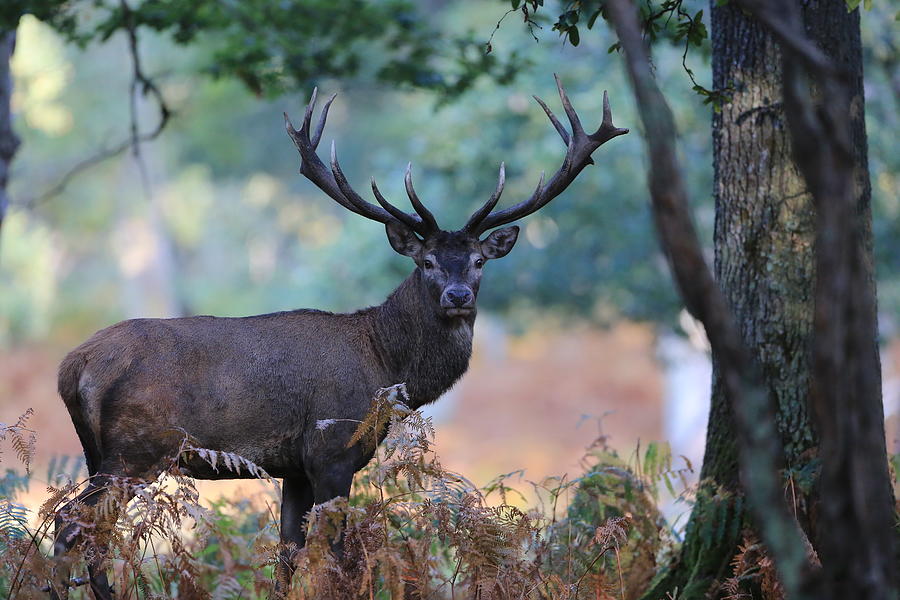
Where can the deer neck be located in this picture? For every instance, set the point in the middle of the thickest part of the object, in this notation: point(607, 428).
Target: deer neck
point(419, 346)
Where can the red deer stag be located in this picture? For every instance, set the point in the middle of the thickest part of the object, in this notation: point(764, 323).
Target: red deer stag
point(256, 386)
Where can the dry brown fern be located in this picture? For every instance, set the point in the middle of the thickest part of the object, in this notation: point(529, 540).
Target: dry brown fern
point(21, 438)
point(411, 529)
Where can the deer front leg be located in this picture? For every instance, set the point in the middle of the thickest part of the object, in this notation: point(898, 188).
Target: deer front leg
point(296, 500)
point(334, 482)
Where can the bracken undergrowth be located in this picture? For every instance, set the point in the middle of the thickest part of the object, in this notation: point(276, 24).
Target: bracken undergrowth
point(410, 529)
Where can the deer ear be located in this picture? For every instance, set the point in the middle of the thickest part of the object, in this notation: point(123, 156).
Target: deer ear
point(500, 242)
point(403, 240)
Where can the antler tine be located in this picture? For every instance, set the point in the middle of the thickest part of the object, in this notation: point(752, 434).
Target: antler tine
point(607, 130)
point(321, 125)
point(427, 218)
point(405, 218)
point(333, 182)
point(556, 124)
point(367, 209)
point(574, 121)
point(310, 107)
point(312, 167)
point(479, 215)
point(579, 147)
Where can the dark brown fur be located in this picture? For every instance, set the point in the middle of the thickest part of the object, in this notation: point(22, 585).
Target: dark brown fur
point(257, 386)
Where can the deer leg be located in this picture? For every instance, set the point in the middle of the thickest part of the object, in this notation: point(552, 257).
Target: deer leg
point(334, 483)
point(296, 500)
point(68, 533)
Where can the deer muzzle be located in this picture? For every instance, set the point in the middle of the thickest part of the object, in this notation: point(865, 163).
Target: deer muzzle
point(457, 300)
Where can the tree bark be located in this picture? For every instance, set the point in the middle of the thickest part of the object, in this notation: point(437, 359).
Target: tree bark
point(765, 263)
point(760, 453)
point(9, 142)
point(763, 242)
point(765, 222)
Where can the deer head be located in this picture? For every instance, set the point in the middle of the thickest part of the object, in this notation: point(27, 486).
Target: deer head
point(451, 262)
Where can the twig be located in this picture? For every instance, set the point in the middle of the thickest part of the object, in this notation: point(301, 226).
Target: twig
point(589, 567)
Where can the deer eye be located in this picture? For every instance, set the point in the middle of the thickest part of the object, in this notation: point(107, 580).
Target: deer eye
point(479, 263)
point(428, 264)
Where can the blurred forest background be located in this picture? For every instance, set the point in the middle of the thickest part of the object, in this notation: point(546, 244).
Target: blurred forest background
point(580, 320)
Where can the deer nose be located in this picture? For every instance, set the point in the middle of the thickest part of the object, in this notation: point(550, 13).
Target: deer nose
point(458, 296)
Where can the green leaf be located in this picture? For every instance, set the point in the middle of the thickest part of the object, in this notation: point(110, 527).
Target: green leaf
point(515, 4)
point(574, 37)
point(852, 4)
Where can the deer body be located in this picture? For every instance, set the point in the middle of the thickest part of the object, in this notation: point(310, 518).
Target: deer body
point(255, 386)
point(258, 386)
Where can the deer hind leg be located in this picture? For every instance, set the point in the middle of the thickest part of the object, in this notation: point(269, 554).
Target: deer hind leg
point(69, 532)
point(296, 500)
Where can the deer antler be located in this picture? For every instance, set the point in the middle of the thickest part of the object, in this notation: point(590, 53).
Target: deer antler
point(335, 184)
point(579, 147)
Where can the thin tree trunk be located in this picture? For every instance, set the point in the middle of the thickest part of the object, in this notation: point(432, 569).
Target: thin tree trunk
point(9, 142)
point(828, 129)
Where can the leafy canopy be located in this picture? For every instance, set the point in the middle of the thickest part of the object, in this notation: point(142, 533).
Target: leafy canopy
point(277, 47)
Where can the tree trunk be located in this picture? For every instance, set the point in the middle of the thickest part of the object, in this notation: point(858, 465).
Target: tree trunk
point(9, 142)
point(765, 264)
point(764, 232)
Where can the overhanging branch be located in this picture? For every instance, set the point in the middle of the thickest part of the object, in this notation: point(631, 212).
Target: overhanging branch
point(142, 84)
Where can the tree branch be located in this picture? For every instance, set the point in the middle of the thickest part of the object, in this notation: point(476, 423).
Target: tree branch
point(757, 436)
point(140, 83)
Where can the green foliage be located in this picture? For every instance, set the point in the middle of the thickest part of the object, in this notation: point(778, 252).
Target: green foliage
point(660, 20)
point(854, 4)
point(248, 235)
point(13, 517)
point(277, 47)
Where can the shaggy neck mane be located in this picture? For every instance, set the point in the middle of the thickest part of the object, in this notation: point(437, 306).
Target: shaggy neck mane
point(419, 346)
